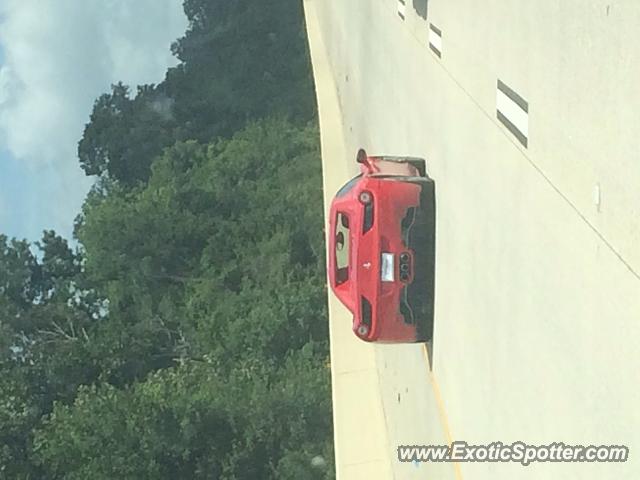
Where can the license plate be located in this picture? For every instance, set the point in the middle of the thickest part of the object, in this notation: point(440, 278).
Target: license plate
point(387, 270)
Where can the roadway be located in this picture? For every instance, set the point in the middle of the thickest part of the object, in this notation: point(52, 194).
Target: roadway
point(538, 233)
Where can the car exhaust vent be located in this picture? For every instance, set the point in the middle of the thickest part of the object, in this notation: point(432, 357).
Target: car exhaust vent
point(365, 312)
point(368, 218)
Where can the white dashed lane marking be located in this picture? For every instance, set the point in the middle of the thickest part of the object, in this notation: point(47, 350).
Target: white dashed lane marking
point(402, 9)
point(435, 40)
point(513, 112)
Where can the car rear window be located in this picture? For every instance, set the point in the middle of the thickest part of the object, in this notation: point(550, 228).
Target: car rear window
point(342, 247)
point(348, 186)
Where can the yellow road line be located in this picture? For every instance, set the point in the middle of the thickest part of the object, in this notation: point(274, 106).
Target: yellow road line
point(441, 410)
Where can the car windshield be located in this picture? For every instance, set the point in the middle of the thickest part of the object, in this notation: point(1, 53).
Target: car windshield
point(342, 248)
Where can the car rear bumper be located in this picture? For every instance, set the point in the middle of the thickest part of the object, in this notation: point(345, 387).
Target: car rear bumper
point(406, 311)
point(419, 295)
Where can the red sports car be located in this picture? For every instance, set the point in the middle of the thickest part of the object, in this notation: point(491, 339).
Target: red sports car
point(382, 249)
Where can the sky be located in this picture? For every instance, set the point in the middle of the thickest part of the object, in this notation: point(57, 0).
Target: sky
point(56, 58)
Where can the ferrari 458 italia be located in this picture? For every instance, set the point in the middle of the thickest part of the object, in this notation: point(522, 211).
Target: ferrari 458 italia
point(382, 249)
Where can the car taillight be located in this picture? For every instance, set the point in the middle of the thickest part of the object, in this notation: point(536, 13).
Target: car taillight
point(363, 330)
point(368, 217)
point(365, 197)
point(365, 317)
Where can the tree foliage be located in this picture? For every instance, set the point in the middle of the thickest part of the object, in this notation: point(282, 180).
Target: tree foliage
point(125, 134)
point(240, 61)
point(191, 422)
point(185, 335)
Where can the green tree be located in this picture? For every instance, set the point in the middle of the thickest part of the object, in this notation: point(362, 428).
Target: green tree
point(247, 60)
point(124, 134)
point(186, 336)
point(36, 325)
point(240, 62)
point(239, 208)
point(191, 422)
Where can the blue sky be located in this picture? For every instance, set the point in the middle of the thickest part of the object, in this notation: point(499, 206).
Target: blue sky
point(56, 58)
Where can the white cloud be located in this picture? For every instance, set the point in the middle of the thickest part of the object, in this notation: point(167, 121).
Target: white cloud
point(58, 58)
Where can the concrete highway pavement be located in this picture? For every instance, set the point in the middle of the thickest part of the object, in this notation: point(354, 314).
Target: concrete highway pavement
point(353, 368)
point(362, 433)
point(538, 233)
